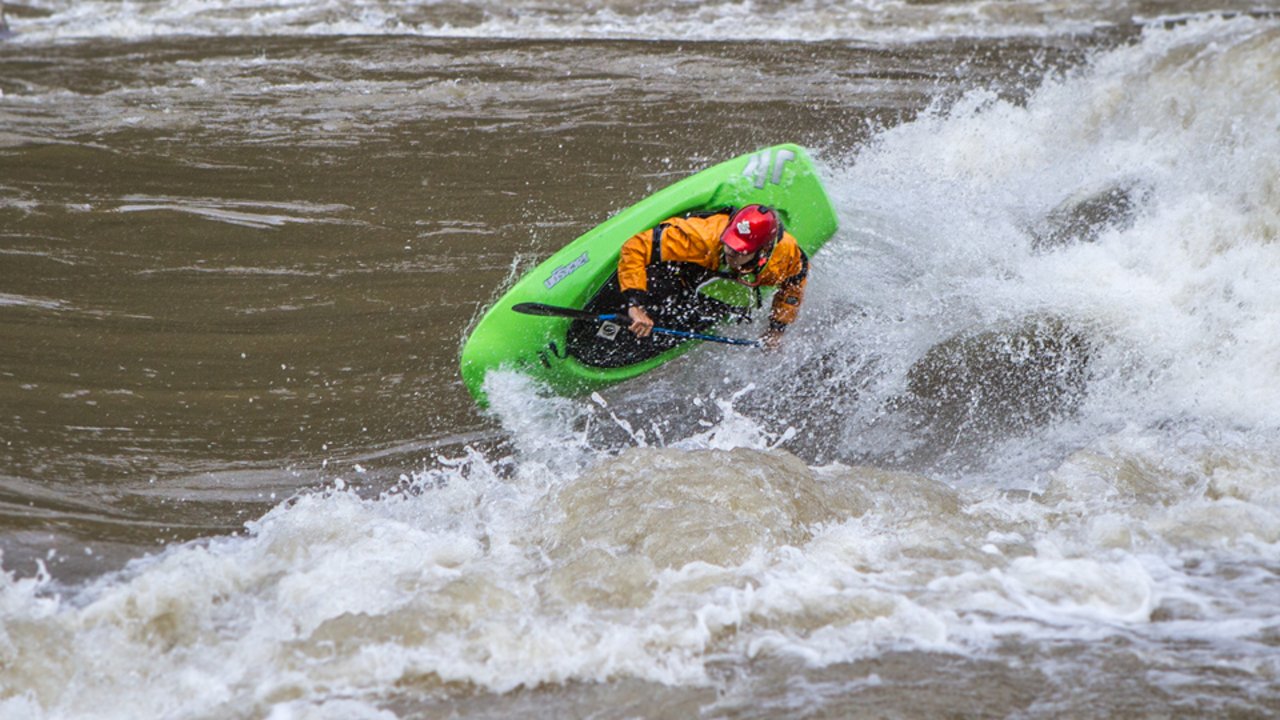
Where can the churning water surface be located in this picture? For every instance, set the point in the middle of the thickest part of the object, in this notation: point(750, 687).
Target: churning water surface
point(1018, 457)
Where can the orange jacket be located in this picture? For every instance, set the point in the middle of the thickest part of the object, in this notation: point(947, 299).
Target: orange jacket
point(697, 240)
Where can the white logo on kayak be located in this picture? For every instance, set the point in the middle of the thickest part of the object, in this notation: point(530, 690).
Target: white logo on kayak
point(564, 271)
point(758, 166)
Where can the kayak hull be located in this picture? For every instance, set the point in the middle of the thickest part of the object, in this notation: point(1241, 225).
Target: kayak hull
point(782, 177)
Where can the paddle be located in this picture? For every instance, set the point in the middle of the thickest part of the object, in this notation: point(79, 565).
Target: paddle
point(553, 311)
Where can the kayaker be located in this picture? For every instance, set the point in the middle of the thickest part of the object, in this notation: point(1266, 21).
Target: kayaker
point(661, 269)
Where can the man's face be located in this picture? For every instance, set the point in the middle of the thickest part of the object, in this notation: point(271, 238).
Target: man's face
point(741, 263)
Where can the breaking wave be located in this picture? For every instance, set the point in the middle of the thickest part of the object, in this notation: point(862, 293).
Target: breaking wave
point(1032, 398)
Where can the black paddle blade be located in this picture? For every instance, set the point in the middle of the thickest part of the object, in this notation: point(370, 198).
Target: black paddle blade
point(552, 311)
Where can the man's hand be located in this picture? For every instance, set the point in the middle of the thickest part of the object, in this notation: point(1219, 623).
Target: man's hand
point(641, 323)
point(771, 339)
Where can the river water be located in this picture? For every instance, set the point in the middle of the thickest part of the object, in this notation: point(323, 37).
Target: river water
point(1018, 457)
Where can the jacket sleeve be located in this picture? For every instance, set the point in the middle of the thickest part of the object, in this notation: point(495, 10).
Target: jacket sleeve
point(633, 275)
point(790, 291)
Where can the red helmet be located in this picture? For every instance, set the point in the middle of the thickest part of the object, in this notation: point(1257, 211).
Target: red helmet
point(752, 229)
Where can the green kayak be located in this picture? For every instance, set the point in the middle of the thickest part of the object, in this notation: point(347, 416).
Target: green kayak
point(571, 356)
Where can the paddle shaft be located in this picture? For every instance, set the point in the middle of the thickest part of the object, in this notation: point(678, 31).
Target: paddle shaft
point(554, 311)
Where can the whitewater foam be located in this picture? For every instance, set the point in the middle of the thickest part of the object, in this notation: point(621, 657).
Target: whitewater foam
point(1147, 512)
point(1171, 303)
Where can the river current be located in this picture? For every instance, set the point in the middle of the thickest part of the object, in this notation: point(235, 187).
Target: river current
point(1017, 458)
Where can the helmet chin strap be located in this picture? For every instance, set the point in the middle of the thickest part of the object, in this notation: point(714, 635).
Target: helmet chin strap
point(749, 277)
